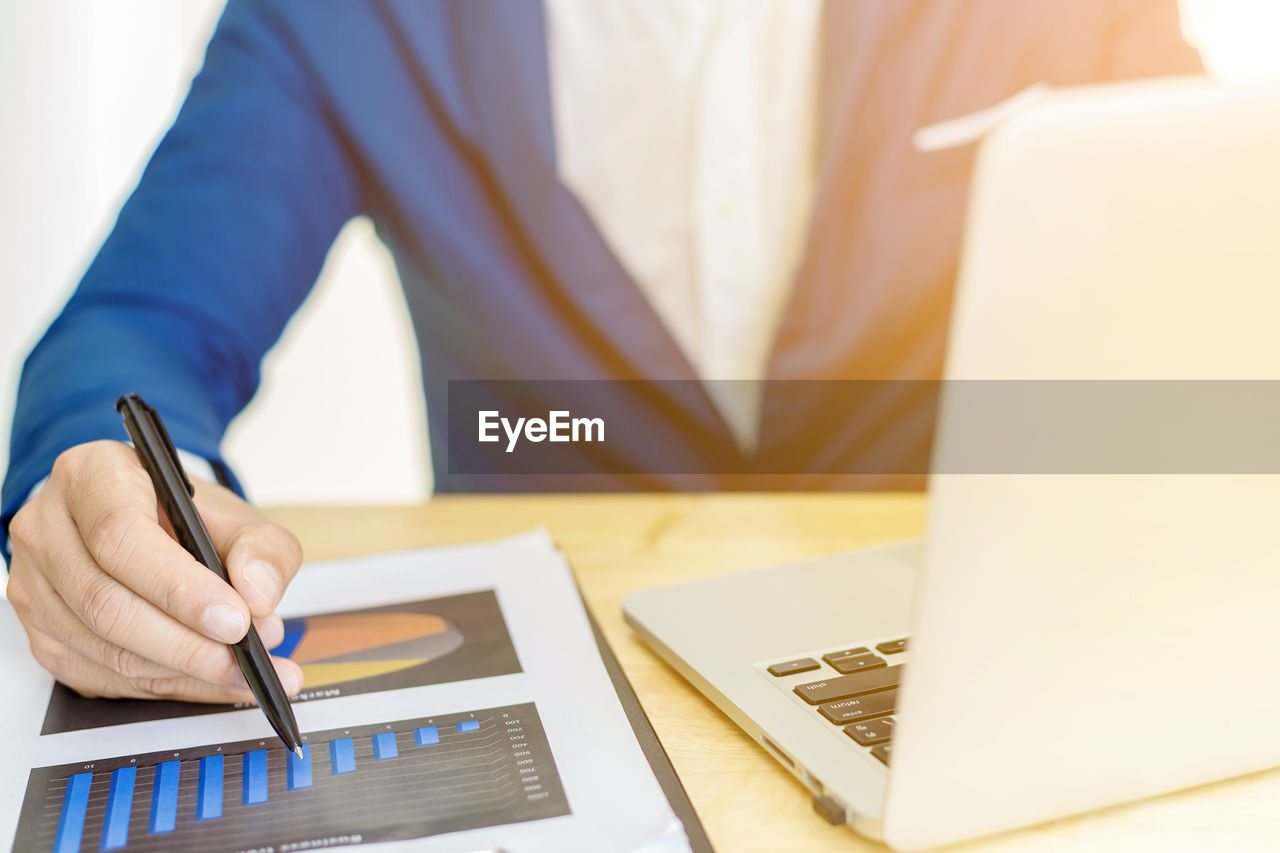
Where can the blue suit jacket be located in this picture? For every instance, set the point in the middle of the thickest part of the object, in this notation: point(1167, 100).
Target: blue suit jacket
point(434, 119)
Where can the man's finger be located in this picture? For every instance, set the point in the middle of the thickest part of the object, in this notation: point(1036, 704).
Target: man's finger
point(270, 630)
point(260, 556)
point(89, 678)
point(48, 650)
point(120, 530)
point(121, 631)
point(133, 550)
point(219, 672)
point(115, 614)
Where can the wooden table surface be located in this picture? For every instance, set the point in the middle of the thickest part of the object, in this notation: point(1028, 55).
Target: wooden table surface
point(748, 804)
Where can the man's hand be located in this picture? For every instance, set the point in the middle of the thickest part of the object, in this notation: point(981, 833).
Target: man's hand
point(114, 606)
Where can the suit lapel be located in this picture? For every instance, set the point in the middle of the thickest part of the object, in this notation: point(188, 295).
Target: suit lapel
point(506, 68)
point(848, 46)
point(504, 64)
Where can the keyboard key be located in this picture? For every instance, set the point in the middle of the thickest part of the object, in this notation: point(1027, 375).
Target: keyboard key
point(871, 732)
point(882, 751)
point(847, 710)
point(848, 686)
point(831, 657)
point(791, 667)
point(892, 647)
point(856, 663)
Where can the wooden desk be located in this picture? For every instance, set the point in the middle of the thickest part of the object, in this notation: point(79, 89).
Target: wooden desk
point(621, 543)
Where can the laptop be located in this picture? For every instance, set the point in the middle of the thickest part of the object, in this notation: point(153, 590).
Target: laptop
point(1058, 641)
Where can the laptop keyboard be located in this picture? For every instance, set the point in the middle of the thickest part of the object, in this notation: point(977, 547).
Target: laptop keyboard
point(854, 688)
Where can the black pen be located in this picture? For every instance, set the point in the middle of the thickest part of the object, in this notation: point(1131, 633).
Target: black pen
point(174, 491)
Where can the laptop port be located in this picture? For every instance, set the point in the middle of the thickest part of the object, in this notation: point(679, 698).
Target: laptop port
point(777, 751)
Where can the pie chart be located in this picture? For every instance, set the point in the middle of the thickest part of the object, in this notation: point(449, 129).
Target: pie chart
point(340, 647)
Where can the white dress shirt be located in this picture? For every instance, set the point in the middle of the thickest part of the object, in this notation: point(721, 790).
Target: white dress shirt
point(686, 128)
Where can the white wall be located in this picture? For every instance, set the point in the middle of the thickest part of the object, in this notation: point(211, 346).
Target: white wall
point(86, 90)
point(296, 442)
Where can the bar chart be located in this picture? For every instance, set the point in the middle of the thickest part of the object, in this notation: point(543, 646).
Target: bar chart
point(382, 782)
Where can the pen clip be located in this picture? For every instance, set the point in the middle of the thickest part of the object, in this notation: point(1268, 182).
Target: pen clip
point(168, 443)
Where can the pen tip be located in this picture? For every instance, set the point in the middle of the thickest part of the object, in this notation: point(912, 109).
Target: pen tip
point(297, 750)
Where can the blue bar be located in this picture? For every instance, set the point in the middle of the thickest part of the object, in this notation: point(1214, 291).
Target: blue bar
point(115, 826)
point(254, 784)
point(209, 792)
point(164, 799)
point(300, 769)
point(342, 756)
point(469, 726)
point(71, 821)
point(384, 746)
point(426, 736)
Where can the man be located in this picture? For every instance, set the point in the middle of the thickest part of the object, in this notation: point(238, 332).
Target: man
point(573, 189)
